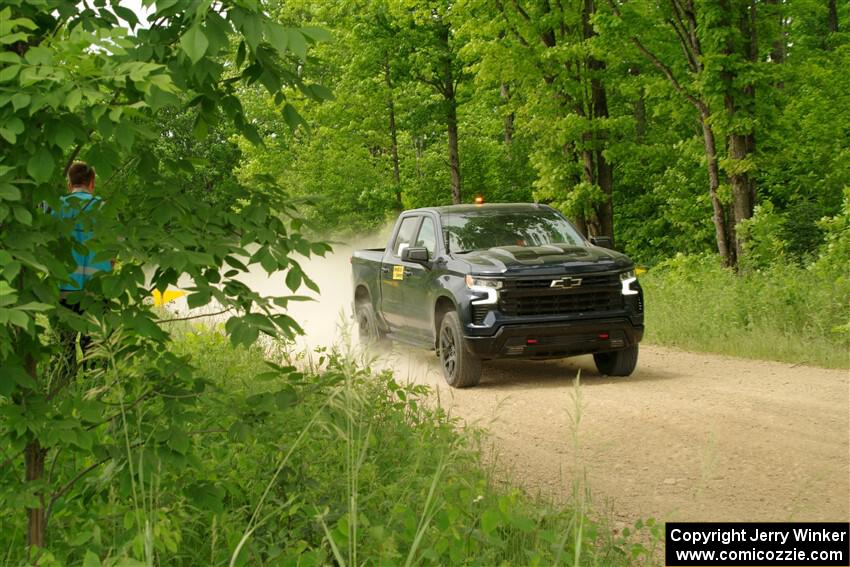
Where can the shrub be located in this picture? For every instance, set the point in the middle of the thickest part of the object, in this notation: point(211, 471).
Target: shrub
point(783, 312)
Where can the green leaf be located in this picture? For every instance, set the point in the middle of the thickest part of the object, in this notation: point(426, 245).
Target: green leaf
point(73, 99)
point(91, 560)
point(317, 34)
point(9, 73)
point(297, 43)
point(490, 520)
point(292, 118)
point(35, 306)
point(194, 43)
point(240, 332)
point(198, 299)
point(15, 375)
point(277, 36)
point(22, 215)
point(126, 14)
point(179, 441)
point(20, 100)
point(252, 29)
point(321, 92)
point(293, 278)
point(9, 192)
point(15, 317)
point(13, 127)
point(40, 165)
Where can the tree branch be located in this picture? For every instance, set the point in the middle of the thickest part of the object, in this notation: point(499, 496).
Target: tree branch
point(190, 317)
point(439, 87)
point(679, 30)
point(70, 484)
point(668, 72)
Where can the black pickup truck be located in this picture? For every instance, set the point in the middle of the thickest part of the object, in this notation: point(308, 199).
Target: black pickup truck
point(478, 282)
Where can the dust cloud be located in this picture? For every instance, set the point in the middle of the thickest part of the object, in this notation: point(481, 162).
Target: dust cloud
point(326, 320)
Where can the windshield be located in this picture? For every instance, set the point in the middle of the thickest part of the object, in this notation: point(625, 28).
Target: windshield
point(466, 232)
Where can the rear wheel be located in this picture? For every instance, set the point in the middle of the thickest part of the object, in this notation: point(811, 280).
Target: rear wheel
point(368, 331)
point(461, 368)
point(618, 362)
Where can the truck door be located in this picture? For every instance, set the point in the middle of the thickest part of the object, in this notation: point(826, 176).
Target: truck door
point(393, 305)
point(418, 282)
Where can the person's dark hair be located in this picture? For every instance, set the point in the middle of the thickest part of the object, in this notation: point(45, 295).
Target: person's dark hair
point(80, 174)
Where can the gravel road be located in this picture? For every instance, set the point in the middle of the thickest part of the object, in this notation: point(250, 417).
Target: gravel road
point(686, 437)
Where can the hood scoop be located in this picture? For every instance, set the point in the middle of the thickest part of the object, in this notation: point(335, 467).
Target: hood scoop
point(535, 255)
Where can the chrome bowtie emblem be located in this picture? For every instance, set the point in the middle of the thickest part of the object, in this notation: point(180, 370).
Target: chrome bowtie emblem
point(566, 283)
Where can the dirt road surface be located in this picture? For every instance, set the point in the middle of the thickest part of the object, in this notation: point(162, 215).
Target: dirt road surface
point(686, 437)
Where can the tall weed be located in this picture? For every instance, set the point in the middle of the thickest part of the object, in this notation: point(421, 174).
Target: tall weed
point(783, 312)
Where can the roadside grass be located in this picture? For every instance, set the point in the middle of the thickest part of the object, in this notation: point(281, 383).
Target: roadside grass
point(315, 460)
point(786, 312)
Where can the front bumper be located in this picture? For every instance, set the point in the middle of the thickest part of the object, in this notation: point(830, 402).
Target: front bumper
point(557, 340)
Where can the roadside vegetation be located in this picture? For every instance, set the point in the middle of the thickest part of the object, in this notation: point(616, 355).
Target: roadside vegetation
point(779, 307)
point(305, 460)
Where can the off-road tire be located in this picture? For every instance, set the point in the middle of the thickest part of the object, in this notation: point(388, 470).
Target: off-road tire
point(368, 329)
point(461, 368)
point(618, 362)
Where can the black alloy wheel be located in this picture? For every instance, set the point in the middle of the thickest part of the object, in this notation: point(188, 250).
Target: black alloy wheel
point(461, 368)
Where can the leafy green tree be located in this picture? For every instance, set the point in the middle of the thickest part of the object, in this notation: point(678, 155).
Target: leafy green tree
point(429, 50)
point(87, 81)
point(552, 57)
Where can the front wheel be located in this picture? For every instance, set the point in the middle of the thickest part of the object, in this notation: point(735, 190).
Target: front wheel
point(461, 368)
point(618, 362)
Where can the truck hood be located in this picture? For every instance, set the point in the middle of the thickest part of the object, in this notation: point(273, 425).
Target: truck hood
point(551, 259)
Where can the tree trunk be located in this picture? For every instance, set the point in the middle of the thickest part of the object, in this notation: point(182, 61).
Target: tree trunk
point(34, 459)
point(719, 217)
point(740, 102)
point(34, 462)
point(393, 134)
point(418, 148)
point(742, 187)
point(451, 126)
point(505, 93)
point(832, 16)
point(599, 109)
point(447, 84)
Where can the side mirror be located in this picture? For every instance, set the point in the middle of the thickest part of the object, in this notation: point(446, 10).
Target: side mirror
point(417, 255)
point(603, 241)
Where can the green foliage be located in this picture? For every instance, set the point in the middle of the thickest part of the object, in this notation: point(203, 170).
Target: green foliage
point(782, 312)
point(302, 466)
point(82, 81)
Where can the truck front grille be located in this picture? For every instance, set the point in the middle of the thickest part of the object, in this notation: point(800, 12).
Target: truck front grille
point(530, 297)
point(591, 280)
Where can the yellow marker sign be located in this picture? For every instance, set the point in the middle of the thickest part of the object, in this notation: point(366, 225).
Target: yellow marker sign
point(170, 295)
point(398, 272)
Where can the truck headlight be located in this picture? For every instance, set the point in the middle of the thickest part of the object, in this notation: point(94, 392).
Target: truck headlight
point(627, 278)
point(472, 282)
point(486, 286)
